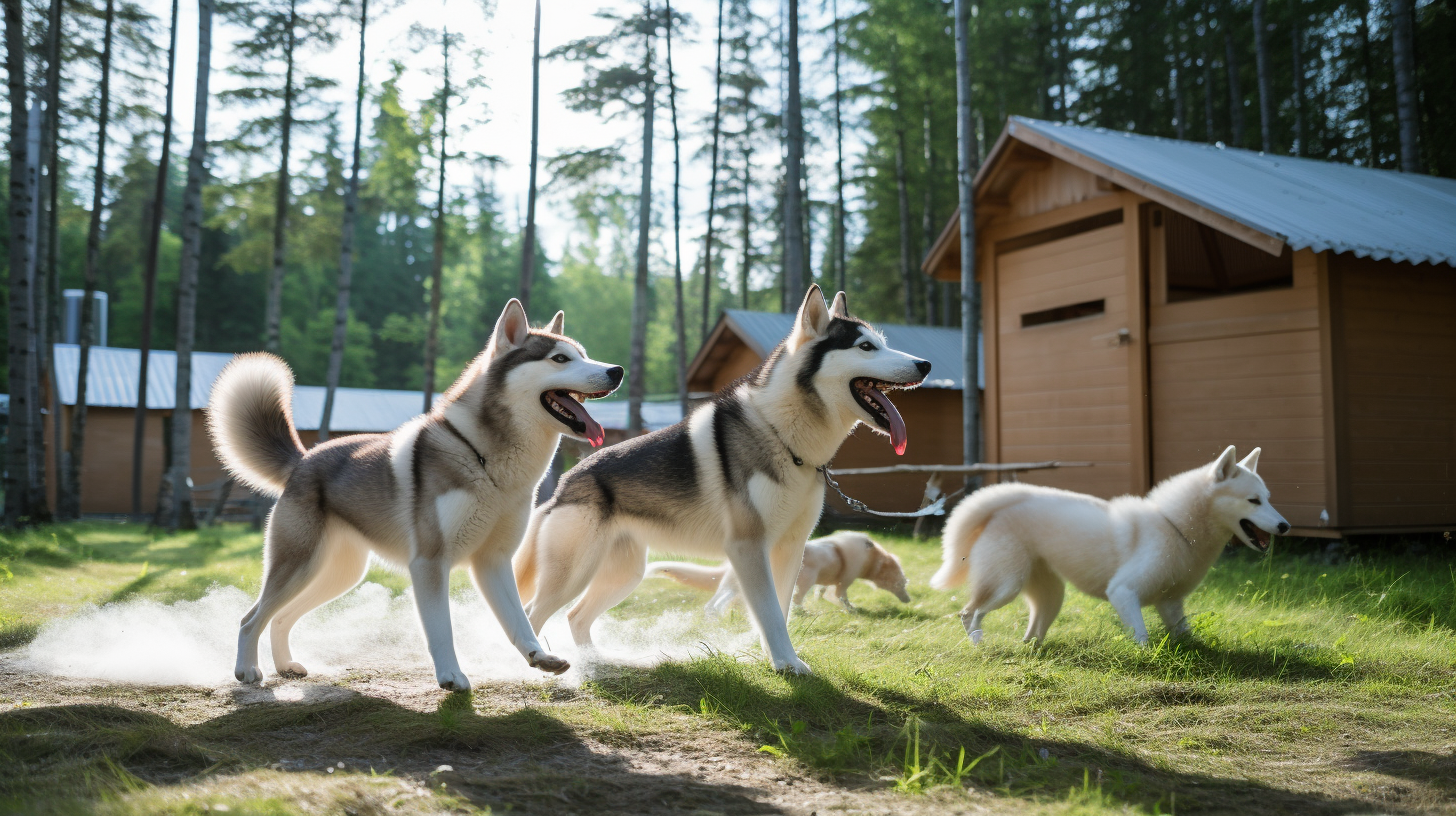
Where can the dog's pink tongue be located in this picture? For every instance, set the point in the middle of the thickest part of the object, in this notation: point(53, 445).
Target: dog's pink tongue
point(594, 433)
point(898, 437)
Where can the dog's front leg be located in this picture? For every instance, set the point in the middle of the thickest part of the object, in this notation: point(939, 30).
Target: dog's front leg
point(1129, 607)
point(495, 580)
point(1171, 611)
point(842, 591)
point(431, 578)
point(755, 577)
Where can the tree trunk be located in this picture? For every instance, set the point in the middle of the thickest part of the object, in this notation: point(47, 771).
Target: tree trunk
point(747, 226)
point(794, 266)
point(19, 454)
point(437, 268)
point(903, 193)
point(273, 314)
point(93, 252)
point(708, 280)
point(1367, 63)
point(1209, 128)
point(52, 300)
point(528, 239)
point(346, 245)
point(1403, 43)
point(677, 278)
point(839, 251)
point(970, 291)
point(637, 384)
point(1180, 106)
point(149, 285)
point(1266, 94)
point(1231, 62)
point(43, 276)
point(927, 216)
point(174, 503)
point(1297, 49)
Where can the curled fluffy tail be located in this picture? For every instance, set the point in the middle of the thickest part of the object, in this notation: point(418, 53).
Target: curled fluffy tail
point(964, 526)
point(250, 418)
point(696, 576)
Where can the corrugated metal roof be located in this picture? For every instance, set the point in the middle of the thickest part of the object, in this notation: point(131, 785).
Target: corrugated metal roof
point(1380, 214)
point(762, 331)
point(111, 382)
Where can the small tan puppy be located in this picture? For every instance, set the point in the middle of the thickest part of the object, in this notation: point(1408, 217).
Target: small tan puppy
point(833, 561)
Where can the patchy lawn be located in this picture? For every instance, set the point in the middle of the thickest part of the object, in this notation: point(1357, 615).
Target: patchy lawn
point(1315, 685)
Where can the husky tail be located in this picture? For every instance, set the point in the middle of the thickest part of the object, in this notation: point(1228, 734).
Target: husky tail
point(964, 526)
point(250, 418)
point(696, 576)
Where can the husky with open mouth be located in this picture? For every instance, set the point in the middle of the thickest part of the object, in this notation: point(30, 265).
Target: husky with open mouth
point(453, 487)
point(1133, 551)
point(738, 477)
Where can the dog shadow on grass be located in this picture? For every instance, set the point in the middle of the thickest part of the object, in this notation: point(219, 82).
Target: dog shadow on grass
point(880, 730)
point(524, 760)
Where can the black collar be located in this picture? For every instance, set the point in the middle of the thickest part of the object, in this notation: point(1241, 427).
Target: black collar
point(798, 461)
point(450, 426)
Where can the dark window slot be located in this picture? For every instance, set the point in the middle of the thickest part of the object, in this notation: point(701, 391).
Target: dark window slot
point(1063, 313)
point(1203, 262)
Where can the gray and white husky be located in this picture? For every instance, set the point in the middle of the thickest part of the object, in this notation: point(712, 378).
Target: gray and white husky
point(1134, 551)
point(450, 488)
point(738, 477)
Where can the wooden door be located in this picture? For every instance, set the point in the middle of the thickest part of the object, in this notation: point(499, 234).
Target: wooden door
point(1063, 340)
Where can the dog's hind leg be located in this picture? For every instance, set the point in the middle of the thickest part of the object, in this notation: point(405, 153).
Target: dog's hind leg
point(342, 564)
point(563, 560)
point(1171, 611)
point(290, 561)
point(620, 573)
point(998, 572)
point(1044, 591)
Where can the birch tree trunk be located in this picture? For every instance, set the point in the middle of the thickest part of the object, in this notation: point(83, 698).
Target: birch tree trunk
point(713, 182)
point(174, 504)
point(52, 300)
point(93, 252)
point(19, 454)
point(1403, 43)
point(1231, 62)
point(149, 284)
point(794, 266)
point(637, 384)
point(927, 216)
point(437, 268)
point(346, 245)
point(273, 313)
point(747, 226)
point(528, 239)
point(1367, 63)
point(970, 291)
point(839, 251)
point(1266, 94)
point(43, 277)
point(1209, 129)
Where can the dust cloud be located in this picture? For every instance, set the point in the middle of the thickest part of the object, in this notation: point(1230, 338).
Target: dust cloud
point(194, 643)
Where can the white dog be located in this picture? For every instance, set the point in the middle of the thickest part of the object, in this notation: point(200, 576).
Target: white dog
point(1133, 551)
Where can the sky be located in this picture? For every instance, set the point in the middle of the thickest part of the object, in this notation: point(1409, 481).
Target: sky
point(505, 35)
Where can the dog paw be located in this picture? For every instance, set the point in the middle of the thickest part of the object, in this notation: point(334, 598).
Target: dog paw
point(453, 680)
point(794, 666)
point(551, 664)
point(292, 669)
point(976, 635)
point(249, 675)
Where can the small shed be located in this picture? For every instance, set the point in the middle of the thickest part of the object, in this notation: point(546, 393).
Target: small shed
point(742, 339)
point(1148, 301)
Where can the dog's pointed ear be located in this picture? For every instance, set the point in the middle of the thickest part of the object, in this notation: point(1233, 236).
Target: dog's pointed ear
point(1223, 466)
point(813, 318)
point(557, 322)
point(512, 329)
point(840, 307)
point(1251, 462)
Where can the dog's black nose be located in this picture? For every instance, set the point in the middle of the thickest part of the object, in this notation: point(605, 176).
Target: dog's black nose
point(923, 366)
point(615, 372)
point(1283, 528)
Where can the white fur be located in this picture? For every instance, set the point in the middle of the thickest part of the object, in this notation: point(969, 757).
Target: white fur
point(1133, 551)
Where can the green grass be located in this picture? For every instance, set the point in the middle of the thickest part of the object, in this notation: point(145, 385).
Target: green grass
point(1309, 687)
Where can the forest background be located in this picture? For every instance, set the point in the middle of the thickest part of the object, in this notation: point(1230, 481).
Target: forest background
point(1177, 68)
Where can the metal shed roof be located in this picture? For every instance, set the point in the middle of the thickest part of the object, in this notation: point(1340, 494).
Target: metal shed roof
point(762, 331)
point(1380, 214)
point(111, 382)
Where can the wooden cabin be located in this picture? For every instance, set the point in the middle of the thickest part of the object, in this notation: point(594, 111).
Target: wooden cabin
point(742, 339)
point(1147, 302)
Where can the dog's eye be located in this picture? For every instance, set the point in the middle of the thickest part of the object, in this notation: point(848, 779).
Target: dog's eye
point(1255, 500)
point(561, 358)
point(867, 346)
